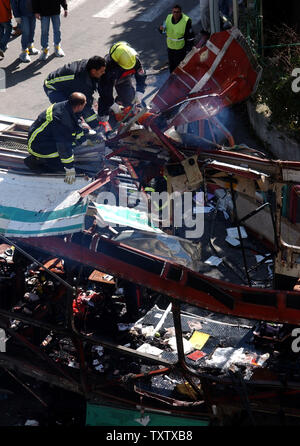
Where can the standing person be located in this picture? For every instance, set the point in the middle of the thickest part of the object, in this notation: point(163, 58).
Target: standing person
point(82, 76)
point(23, 9)
point(180, 36)
point(5, 25)
point(46, 11)
point(122, 64)
point(51, 137)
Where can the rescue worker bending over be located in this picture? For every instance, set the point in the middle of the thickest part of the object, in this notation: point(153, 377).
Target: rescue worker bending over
point(52, 135)
point(122, 64)
point(80, 76)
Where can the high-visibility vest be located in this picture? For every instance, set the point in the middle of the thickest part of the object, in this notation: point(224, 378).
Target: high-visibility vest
point(175, 32)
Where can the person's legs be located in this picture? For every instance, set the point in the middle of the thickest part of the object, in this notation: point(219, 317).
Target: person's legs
point(56, 29)
point(25, 27)
point(57, 35)
point(5, 32)
point(175, 57)
point(43, 165)
point(45, 23)
point(32, 24)
point(126, 93)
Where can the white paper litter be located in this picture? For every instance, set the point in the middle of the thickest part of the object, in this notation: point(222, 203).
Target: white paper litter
point(147, 348)
point(202, 209)
point(148, 331)
point(187, 346)
point(213, 260)
point(234, 233)
point(100, 368)
point(98, 349)
point(259, 258)
point(73, 364)
point(31, 423)
point(232, 241)
point(223, 358)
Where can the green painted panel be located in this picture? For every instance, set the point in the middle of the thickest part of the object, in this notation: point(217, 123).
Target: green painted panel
point(97, 415)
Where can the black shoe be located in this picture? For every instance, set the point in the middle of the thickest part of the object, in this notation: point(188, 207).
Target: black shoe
point(34, 164)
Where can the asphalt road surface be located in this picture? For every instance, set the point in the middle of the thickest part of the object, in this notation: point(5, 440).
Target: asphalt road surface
point(90, 28)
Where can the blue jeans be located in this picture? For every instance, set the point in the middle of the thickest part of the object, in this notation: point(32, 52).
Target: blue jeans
point(45, 24)
point(28, 29)
point(5, 32)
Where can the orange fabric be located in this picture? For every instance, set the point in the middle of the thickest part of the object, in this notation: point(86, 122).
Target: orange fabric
point(5, 11)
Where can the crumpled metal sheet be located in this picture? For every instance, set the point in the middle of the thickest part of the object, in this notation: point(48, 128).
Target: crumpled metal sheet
point(171, 248)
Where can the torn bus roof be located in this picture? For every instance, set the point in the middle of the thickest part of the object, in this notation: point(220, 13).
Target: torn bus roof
point(221, 73)
point(40, 205)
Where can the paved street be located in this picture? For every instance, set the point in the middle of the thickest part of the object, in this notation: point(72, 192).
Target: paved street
point(91, 27)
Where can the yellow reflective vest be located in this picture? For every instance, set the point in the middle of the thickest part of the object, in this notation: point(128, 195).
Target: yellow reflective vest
point(175, 32)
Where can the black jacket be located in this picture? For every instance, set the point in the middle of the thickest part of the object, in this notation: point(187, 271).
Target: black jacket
point(53, 133)
point(75, 77)
point(72, 77)
point(113, 75)
point(48, 7)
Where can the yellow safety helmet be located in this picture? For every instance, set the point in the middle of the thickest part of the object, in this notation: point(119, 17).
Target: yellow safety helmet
point(123, 54)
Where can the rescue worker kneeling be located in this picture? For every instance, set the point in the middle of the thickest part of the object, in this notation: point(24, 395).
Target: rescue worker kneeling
point(123, 70)
point(52, 136)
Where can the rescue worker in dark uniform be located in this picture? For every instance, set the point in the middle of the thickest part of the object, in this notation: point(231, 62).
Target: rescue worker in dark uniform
point(180, 36)
point(122, 65)
point(51, 137)
point(80, 76)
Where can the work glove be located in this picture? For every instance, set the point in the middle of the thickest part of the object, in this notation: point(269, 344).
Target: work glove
point(138, 97)
point(70, 175)
point(116, 108)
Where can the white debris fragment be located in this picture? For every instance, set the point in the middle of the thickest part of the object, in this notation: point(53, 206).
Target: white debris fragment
point(202, 209)
point(213, 260)
point(187, 346)
point(259, 258)
point(234, 233)
point(147, 348)
point(98, 349)
point(232, 241)
point(73, 364)
point(100, 368)
point(148, 331)
point(31, 423)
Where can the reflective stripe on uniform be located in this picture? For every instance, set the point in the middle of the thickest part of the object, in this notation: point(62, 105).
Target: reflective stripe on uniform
point(49, 83)
point(79, 135)
point(91, 118)
point(67, 160)
point(41, 128)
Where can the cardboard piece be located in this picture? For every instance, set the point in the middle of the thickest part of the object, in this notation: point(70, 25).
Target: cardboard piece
point(198, 339)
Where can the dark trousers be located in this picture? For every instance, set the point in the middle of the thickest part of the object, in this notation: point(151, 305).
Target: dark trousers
point(126, 92)
point(175, 57)
point(44, 165)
